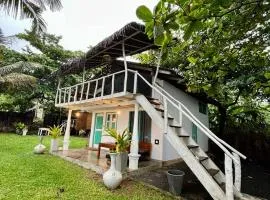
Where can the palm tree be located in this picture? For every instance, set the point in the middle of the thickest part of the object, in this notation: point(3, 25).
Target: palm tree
point(19, 75)
point(30, 9)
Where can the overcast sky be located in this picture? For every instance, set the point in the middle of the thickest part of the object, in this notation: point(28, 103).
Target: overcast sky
point(82, 22)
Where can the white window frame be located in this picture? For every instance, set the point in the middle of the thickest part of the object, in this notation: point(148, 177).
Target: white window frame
point(110, 121)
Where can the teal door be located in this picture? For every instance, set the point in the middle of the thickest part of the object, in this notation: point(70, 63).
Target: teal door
point(194, 132)
point(98, 128)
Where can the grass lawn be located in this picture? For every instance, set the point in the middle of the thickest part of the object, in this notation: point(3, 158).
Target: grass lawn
point(24, 175)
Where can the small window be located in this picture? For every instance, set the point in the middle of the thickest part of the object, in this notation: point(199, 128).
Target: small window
point(111, 120)
point(202, 108)
point(194, 132)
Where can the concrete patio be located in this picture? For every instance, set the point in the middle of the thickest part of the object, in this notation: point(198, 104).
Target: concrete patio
point(88, 159)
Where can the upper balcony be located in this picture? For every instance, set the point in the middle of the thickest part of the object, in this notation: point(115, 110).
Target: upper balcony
point(112, 90)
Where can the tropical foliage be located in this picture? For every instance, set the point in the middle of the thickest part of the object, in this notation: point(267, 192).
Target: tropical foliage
point(222, 52)
point(55, 132)
point(30, 9)
point(122, 140)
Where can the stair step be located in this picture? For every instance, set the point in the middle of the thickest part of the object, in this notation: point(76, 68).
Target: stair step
point(151, 99)
point(191, 146)
point(183, 135)
point(169, 117)
point(159, 109)
point(154, 102)
point(213, 172)
point(175, 126)
point(202, 158)
point(223, 186)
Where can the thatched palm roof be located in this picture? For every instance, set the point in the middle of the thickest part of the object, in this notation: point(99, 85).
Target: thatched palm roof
point(135, 40)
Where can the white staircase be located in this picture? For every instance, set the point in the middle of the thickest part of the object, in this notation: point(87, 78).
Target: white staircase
point(219, 185)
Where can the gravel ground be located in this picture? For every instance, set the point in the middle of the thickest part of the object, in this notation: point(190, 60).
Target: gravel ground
point(255, 181)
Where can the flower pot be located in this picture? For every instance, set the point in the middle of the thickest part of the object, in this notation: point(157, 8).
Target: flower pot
point(24, 131)
point(54, 145)
point(39, 149)
point(112, 178)
point(121, 161)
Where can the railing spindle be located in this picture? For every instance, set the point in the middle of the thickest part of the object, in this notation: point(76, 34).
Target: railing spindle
point(180, 115)
point(165, 115)
point(75, 95)
point(82, 89)
point(95, 92)
point(113, 77)
point(88, 88)
point(60, 96)
point(65, 94)
point(135, 82)
point(69, 94)
point(102, 87)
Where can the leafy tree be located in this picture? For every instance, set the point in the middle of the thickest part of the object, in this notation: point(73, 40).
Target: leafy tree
point(220, 48)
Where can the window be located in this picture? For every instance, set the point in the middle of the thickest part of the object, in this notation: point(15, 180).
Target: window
point(202, 108)
point(194, 132)
point(111, 120)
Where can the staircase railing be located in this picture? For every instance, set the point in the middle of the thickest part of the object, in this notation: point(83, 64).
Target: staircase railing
point(225, 147)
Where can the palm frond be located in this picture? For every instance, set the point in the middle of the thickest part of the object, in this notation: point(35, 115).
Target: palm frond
point(30, 9)
point(20, 67)
point(17, 80)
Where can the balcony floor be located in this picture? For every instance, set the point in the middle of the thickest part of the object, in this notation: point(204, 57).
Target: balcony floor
point(121, 99)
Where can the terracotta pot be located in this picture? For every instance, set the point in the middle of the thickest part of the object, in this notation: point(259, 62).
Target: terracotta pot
point(112, 178)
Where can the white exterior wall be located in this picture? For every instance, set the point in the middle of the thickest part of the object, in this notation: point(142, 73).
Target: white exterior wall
point(193, 105)
point(122, 123)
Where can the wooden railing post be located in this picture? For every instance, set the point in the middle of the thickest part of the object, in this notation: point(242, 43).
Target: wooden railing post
point(75, 95)
point(65, 94)
point(102, 87)
point(113, 77)
point(60, 96)
point(180, 115)
point(237, 171)
point(82, 89)
point(165, 104)
point(135, 82)
point(229, 178)
point(88, 88)
point(95, 92)
point(69, 94)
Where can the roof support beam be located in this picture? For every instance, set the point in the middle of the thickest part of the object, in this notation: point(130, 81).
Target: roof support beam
point(125, 63)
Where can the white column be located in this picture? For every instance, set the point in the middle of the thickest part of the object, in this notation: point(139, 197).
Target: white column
point(134, 147)
point(229, 178)
point(67, 132)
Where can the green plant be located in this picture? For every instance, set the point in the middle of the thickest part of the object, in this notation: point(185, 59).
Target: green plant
point(122, 140)
point(55, 131)
point(20, 126)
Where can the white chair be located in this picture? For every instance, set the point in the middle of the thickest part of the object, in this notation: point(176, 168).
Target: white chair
point(43, 130)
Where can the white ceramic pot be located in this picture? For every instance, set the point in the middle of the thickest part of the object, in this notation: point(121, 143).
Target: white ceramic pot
point(112, 178)
point(24, 131)
point(39, 149)
point(54, 145)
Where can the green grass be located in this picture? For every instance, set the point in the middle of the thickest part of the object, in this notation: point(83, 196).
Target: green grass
point(24, 175)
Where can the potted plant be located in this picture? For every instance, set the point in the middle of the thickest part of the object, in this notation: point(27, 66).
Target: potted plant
point(122, 141)
point(54, 132)
point(21, 128)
